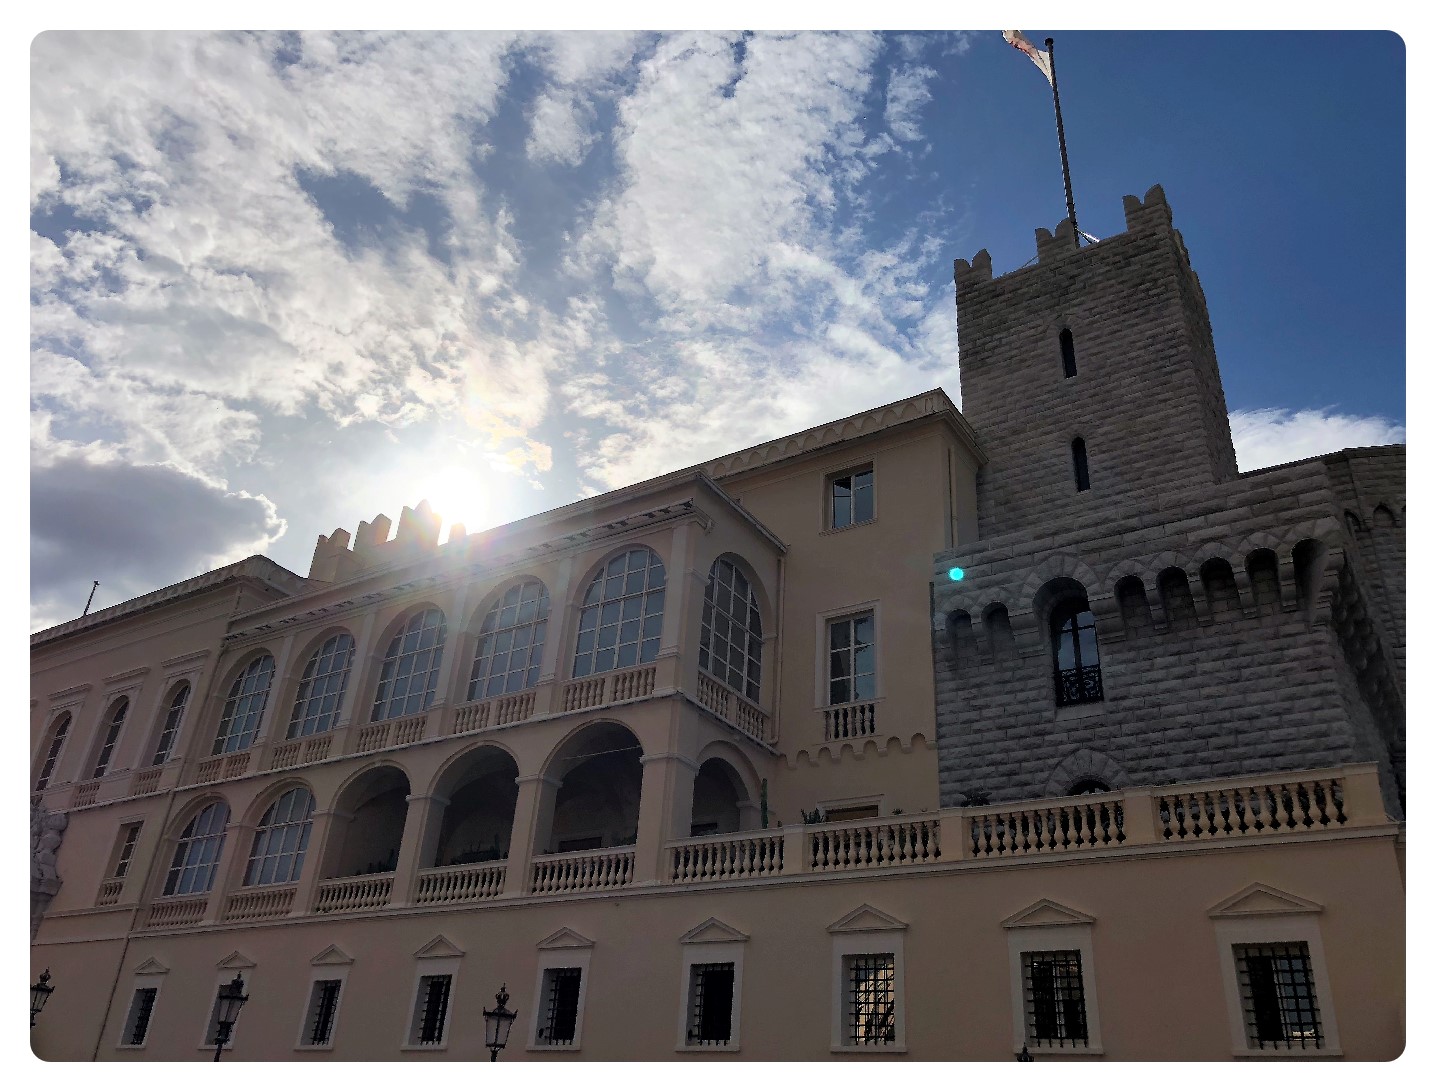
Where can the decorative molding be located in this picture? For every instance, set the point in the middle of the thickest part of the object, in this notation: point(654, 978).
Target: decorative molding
point(1046, 912)
point(441, 947)
point(564, 938)
point(1259, 899)
point(333, 956)
point(712, 931)
point(866, 919)
point(236, 961)
point(151, 966)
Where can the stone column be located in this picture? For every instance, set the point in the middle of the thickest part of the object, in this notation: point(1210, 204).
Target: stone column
point(665, 806)
point(319, 852)
point(533, 823)
point(416, 848)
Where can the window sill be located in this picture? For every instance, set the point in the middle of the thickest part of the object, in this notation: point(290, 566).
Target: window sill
point(875, 1048)
point(1277, 1055)
point(426, 1047)
point(1080, 710)
point(548, 1048)
point(730, 1048)
point(1058, 1051)
point(140, 1046)
point(312, 1048)
point(849, 527)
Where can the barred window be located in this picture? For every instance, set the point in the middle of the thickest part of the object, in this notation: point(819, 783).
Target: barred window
point(511, 640)
point(173, 716)
point(1056, 1008)
point(321, 688)
point(871, 999)
point(431, 1010)
point(137, 1023)
point(850, 498)
point(730, 645)
point(244, 707)
point(622, 617)
point(1278, 996)
point(1076, 665)
point(114, 723)
point(323, 1004)
point(283, 835)
point(58, 731)
point(851, 657)
point(560, 992)
point(710, 1004)
point(411, 667)
point(196, 854)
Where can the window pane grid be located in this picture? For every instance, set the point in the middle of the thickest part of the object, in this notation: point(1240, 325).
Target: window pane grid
point(127, 850)
point(321, 689)
point(411, 669)
point(244, 707)
point(622, 617)
point(710, 1004)
point(57, 740)
point(1278, 996)
point(171, 727)
point(730, 644)
point(872, 999)
point(1055, 1004)
point(279, 844)
point(851, 498)
point(192, 870)
point(511, 639)
point(321, 1009)
point(562, 1001)
point(851, 660)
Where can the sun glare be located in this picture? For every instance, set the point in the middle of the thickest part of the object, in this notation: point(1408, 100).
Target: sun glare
point(458, 494)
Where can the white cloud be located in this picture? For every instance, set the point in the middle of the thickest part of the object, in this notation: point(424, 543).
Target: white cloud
point(1269, 437)
point(907, 95)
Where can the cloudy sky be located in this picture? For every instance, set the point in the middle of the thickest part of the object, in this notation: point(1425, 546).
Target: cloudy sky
point(280, 283)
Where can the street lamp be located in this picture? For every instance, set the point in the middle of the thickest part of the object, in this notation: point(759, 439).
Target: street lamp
point(1025, 1056)
point(497, 1023)
point(231, 999)
point(40, 993)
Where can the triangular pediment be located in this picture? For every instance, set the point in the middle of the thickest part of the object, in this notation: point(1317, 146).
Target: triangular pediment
point(1046, 912)
point(152, 966)
point(711, 931)
point(441, 947)
point(565, 938)
point(1259, 898)
point(865, 919)
point(332, 956)
point(236, 961)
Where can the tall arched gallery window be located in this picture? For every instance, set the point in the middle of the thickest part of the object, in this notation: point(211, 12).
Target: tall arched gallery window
point(113, 723)
point(197, 852)
point(58, 733)
point(411, 667)
point(511, 640)
point(173, 715)
point(281, 839)
point(1077, 670)
point(245, 706)
point(622, 616)
point(321, 689)
point(730, 643)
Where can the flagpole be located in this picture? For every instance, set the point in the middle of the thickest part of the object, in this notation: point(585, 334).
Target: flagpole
point(1062, 145)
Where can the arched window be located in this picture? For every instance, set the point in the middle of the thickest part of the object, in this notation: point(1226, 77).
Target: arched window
point(730, 644)
point(622, 617)
point(113, 724)
point(511, 642)
point(1069, 354)
point(244, 707)
point(411, 667)
point(192, 870)
point(1079, 464)
point(1088, 785)
point(58, 732)
point(173, 716)
point(321, 688)
point(279, 844)
point(1074, 652)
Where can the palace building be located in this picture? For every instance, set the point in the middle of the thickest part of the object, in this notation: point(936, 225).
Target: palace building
point(1036, 727)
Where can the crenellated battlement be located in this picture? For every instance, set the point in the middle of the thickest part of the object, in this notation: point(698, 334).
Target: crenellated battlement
point(417, 535)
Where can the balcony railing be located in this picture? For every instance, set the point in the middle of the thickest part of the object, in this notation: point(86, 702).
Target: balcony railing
point(259, 903)
point(625, 685)
point(298, 752)
point(1237, 809)
point(873, 843)
point(390, 733)
point(851, 721)
point(109, 892)
point(733, 708)
point(353, 893)
point(1078, 822)
point(727, 857)
point(222, 766)
point(460, 883)
point(587, 870)
point(1078, 684)
point(181, 910)
point(506, 709)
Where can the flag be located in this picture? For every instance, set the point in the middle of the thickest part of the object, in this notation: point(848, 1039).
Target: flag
point(1040, 57)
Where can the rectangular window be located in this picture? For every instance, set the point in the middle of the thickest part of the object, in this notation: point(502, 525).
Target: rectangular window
point(137, 1024)
point(1278, 996)
point(560, 998)
point(323, 1002)
point(851, 656)
point(129, 835)
point(431, 1010)
point(850, 498)
point(710, 1004)
point(871, 999)
point(1055, 1006)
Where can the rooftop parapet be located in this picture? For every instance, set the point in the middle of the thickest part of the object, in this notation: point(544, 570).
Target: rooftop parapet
point(418, 535)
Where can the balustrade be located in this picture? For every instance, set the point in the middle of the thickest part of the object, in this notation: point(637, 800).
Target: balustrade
point(109, 892)
point(1264, 806)
point(727, 857)
point(583, 694)
point(873, 843)
point(184, 910)
point(1078, 822)
point(588, 870)
point(85, 794)
point(353, 893)
point(850, 721)
point(460, 883)
point(514, 708)
point(146, 781)
point(258, 903)
point(471, 718)
point(732, 708)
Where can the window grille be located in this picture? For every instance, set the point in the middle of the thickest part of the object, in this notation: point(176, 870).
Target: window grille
point(851, 656)
point(411, 667)
point(137, 1024)
point(321, 688)
point(431, 1009)
point(129, 834)
point(323, 1002)
point(510, 650)
point(872, 999)
point(1077, 667)
point(1278, 996)
point(561, 985)
point(279, 844)
point(171, 726)
point(622, 616)
point(244, 707)
point(196, 854)
point(850, 498)
point(57, 741)
point(730, 643)
point(1055, 1005)
point(112, 733)
point(710, 1004)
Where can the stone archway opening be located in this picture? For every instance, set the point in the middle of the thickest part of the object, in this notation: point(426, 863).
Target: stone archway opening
point(376, 805)
point(478, 821)
point(596, 804)
point(718, 793)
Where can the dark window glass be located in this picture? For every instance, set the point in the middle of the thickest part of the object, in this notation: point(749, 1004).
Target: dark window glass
point(277, 855)
point(1079, 464)
point(432, 1009)
point(1077, 670)
point(196, 854)
point(57, 741)
point(1056, 1006)
point(510, 649)
point(1278, 996)
point(173, 716)
point(850, 498)
point(323, 1001)
point(710, 1004)
point(142, 1006)
point(1069, 354)
point(321, 688)
point(115, 722)
point(562, 984)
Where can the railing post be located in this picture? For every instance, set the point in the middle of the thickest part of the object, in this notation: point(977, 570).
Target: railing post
point(1139, 818)
point(533, 821)
point(795, 849)
point(952, 834)
point(1361, 795)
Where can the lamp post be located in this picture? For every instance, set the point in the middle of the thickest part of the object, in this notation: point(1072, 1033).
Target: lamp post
point(231, 999)
point(497, 1023)
point(40, 993)
point(1025, 1056)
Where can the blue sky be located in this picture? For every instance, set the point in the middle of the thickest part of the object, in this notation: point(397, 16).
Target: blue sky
point(283, 282)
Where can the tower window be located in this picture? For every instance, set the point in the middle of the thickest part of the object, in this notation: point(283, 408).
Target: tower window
point(1069, 354)
point(1079, 464)
point(1077, 671)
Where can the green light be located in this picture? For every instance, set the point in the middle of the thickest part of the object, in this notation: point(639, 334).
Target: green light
point(955, 573)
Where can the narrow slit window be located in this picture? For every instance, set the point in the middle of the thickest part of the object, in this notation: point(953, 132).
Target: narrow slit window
point(1079, 464)
point(57, 741)
point(115, 722)
point(323, 1003)
point(1069, 354)
point(129, 835)
point(137, 1025)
